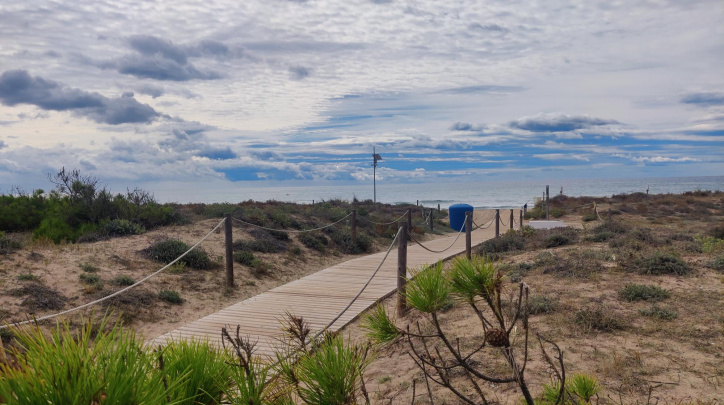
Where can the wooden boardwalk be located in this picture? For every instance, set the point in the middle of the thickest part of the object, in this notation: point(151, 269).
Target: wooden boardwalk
point(321, 296)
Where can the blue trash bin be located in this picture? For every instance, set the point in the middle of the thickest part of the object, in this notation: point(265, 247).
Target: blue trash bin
point(457, 215)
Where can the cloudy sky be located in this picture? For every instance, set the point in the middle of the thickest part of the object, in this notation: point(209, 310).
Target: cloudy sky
point(212, 93)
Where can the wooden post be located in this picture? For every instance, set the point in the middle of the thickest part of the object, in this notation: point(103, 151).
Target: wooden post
point(521, 220)
point(409, 220)
point(402, 270)
point(229, 252)
point(417, 203)
point(438, 208)
point(432, 218)
point(497, 223)
point(354, 227)
point(547, 201)
point(468, 235)
point(511, 219)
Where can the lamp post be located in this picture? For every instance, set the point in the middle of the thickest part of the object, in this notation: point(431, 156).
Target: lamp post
point(375, 158)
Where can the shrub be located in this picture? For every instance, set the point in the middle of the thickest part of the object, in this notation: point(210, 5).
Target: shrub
point(508, 242)
point(280, 235)
point(89, 268)
point(717, 263)
point(542, 304)
point(121, 227)
point(641, 292)
point(600, 237)
point(123, 280)
point(557, 240)
point(656, 311)
point(86, 278)
point(717, 232)
point(263, 245)
point(598, 318)
point(589, 216)
point(27, 277)
point(244, 257)
point(658, 263)
point(168, 250)
point(314, 241)
point(38, 296)
point(8, 244)
point(203, 373)
point(612, 226)
point(170, 296)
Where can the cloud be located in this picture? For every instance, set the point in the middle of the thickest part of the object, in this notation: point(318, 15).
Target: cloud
point(488, 27)
point(19, 87)
point(657, 159)
point(151, 90)
point(558, 123)
point(704, 98)
point(299, 72)
point(217, 153)
point(464, 126)
point(3, 144)
point(161, 59)
point(488, 88)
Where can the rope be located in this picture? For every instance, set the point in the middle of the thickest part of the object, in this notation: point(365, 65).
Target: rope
point(483, 227)
point(503, 222)
point(42, 318)
point(438, 251)
point(384, 223)
point(363, 287)
point(292, 231)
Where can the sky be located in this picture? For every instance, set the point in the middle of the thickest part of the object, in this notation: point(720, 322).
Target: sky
point(213, 94)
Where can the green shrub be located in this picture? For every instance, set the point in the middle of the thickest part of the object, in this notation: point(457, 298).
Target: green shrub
point(508, 242)
point(86, 278)
point(717, 263)
point(201, 372)
point(168, 250)
point(244, 257)
point(598, 318)
point(121, 227)
point(39, 297)
point(613, 227)
point(264, 245)
point(27, 277)
point(316, 242)
point(296, 251)
point(641, 292)
point(279, 235)
point(170, 296)
point(123, 280)
point(89, 268)
point(658, 263)
point(656, 311)
point(542, 304)
point(557, 240)
point(600, 237)
point(8, 244)
point(589, 216)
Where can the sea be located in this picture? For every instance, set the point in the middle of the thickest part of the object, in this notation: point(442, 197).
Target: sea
point(509, 194)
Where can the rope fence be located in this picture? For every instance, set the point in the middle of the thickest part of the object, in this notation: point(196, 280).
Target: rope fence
point(291, 230)
point(437, 251)
point(121, 291)
point(394, 221)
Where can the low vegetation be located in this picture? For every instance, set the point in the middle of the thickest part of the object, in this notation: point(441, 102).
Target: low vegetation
point(165, 251)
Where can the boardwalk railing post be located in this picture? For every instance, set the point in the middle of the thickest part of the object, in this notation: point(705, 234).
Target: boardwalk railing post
point(402, 270)
point(511, 219)
point(497, 223)
point(432, 218)
point(468, 235)
point(354, 227)
point(229, 252)
point(409, 220)
point(521, 220)
point(547, 202)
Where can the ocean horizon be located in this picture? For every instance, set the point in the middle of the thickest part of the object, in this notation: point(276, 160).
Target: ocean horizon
point(509, 194)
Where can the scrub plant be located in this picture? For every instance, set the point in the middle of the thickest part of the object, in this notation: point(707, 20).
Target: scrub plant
point(457, 364)
point(201, 368)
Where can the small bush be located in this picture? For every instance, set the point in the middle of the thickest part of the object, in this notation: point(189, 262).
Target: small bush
point(296, 251)
point(316, 242)
point(717, 232)
point(168, 250)
point(613, 227)
point(542, 304)
point(8, 244)
point(244, 257)
point(557, 240)
point(600, 237)
point(39, 297)
point(170, 296)
point(598, 318)
point(508, 242)
point(717, 263)
point(641, 292)
point(27, 277)
point(656, 311)
point(86, 278)
point(659, 263)
point(589, 216)
point(121, 227)
point(517, 272)
point(123, 280)
point(264, 245)
point(279, 235)
point(89, 268)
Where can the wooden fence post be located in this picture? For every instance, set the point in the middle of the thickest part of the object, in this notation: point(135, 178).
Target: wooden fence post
point(521, 220)
point(497, 223)
point(438, 208)
point(432, 219)
point(547, 202)
point(229, 252)
point(409, 220)
point(402, 270)
point(511, 219)
point(468, 235)
point(354, 227)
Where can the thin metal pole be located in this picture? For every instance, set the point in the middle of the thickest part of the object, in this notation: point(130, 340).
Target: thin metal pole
point(547, 202)
point(402, 271)
point(228, 239)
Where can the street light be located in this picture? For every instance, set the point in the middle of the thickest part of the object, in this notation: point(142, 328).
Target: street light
point(375, 158)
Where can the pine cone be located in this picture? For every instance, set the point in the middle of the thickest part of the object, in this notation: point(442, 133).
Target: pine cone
point(497, 337)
